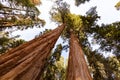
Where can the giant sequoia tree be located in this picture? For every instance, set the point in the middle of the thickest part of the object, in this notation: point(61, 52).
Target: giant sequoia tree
point(27, 61)
point(106, 36)
point(17, 15)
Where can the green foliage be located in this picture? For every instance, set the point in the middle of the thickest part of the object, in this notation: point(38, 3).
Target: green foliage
point(102, 68)
point(73, 22)
point(23, 22)
point(59, 11)
point(6, 43)
point(115, 66)
point(20, 13)
point(108, 37)
point(55, 68)
point(96, 66)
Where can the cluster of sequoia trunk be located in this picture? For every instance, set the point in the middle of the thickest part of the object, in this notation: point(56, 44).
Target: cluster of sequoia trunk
point(26, 62)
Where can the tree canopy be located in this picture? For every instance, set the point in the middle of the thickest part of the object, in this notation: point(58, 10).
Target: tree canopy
point(22, 14)
point(106, 36)
point(17, 15)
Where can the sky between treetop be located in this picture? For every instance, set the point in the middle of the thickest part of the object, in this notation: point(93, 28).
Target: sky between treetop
point(105, 9)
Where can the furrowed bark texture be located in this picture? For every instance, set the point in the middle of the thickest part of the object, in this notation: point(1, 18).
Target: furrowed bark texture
point(27, 61)
point(77, 66)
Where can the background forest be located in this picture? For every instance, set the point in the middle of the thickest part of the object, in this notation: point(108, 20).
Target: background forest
point(24, 14)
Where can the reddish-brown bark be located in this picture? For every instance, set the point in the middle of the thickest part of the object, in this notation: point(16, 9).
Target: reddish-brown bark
point(77, 66)
point(27, 61)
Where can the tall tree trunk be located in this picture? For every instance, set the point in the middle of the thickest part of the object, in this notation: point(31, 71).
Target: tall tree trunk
point(77, 66)
point(26, 61)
